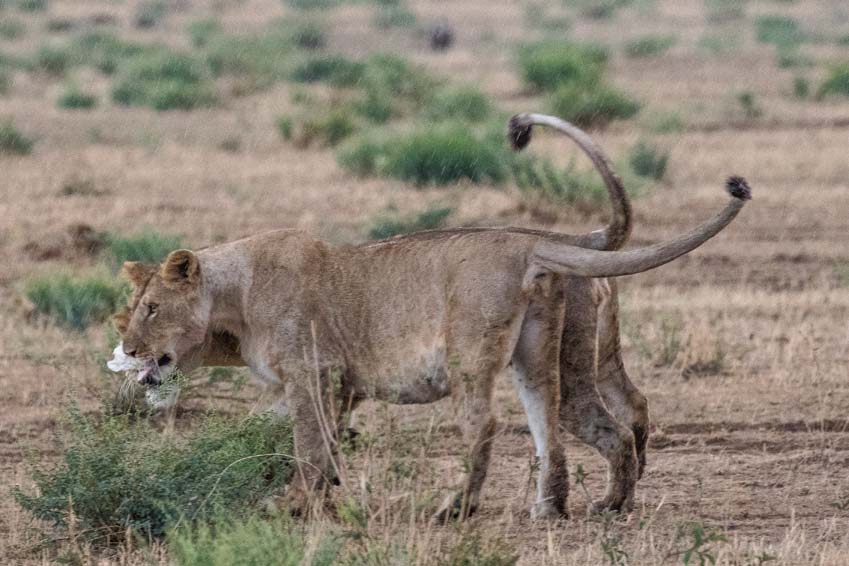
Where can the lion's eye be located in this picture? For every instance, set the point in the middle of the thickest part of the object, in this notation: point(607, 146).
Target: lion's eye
point(151, 309)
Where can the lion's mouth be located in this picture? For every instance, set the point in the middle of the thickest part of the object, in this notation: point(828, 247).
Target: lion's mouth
point(151, 372)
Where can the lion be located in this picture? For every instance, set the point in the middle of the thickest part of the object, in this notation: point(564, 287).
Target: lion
point(406, 321)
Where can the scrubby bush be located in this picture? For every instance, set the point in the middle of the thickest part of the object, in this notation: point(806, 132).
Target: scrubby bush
point(147, 247)
point(464, 103)
point(327, 128)
point(116, 476)
point(11, 28)
point(395, 16)
point(589, 107)
point(548, 64)
point(649, 161)
point(779, 30)
point(149, 13)
point(396, 76)
point(308, 35)
point(334, 69)
point(837, 82)
point(201, 31)
point(540, 179)
point(164, 80)
point(32, 5)
point(74, 98)
point(53, 59)
point(444, 154)
point(390, 224)
point(649, 45)
point(263, 58)
point(252, 542)
point(74, 302)
point(430, 154)
point(104, 51)
point(13, 141)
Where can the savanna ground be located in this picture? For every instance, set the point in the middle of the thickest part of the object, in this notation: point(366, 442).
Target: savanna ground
point(742, 347)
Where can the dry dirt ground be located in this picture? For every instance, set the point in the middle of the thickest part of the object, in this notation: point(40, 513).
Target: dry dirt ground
point(756, 449)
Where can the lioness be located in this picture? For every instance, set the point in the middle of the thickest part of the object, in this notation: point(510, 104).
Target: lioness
point(405, 321)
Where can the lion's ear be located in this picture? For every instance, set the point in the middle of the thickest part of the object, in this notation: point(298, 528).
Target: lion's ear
point(137, 273)
point(181, 266)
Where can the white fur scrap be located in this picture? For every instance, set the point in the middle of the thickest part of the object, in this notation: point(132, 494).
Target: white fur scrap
point(122, 362)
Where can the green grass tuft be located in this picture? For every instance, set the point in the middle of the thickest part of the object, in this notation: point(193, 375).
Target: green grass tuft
point(32, 5)
point(11, 28)
point(202, 31)
point(334, 69)
point(75, 302)
point(12, 141)
point(778, 30)
point(649, 161)
point(74, 98)
point(588, 107)
point(115, 475)
point(252, 542)
point(548, 64)
point(149, 13)
point(462, 102)
point(147, 247)
point(164, 80)
point(837, 82)
point(395, 16)
point(649, 46)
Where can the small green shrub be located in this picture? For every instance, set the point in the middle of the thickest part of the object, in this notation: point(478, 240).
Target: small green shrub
point(649, 161)
point(588, 107)
point(395, 17)
point(540, 179)
point(334, 69)
point(74, 98)
point(444, 154)
point(53, 60)
point(201, 31)
point(309, 35)
point(837, 82)
point(251, 542)
point(718, 44)
point(649, 46)
point(843, 40)
point(104, 51)
point(5, 80)
point(329, 128)
point(74, 302)
point(841, 273)
point(11, 28)
point(115, 475)
point(724, 11)
point(749, 105)
point(599, 9)
point(59, 25)
point(390, 224)
point(164, 80)
point(548, 64)
point(263, 58)
point(313, 4)
point(464, 103)
point(12, 141)
point(801, 87)
point(395, 76)
point(285, 127)
point(32, 5)
point(147, 247)
point(666, 122)
point(377, 105)
point(790, 56)
point(363, 156)
point(437, 154)
point(778, 30)
point(149, 13)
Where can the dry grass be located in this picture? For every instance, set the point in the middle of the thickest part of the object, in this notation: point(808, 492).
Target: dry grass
point(756, 452)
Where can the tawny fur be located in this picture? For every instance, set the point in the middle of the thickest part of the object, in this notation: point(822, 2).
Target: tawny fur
point(405, 321)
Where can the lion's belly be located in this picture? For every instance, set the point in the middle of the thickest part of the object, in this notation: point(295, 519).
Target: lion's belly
point(408, 376)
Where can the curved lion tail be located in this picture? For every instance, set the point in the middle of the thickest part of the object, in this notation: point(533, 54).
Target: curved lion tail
point(616, 233)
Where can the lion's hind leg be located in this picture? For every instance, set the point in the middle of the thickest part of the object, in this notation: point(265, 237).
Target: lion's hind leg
point(536, 379)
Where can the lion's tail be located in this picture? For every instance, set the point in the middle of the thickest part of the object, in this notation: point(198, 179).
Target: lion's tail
point(552, 256)
point(616, 233)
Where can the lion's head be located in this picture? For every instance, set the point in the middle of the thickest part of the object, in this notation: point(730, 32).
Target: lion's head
point(165, 322)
